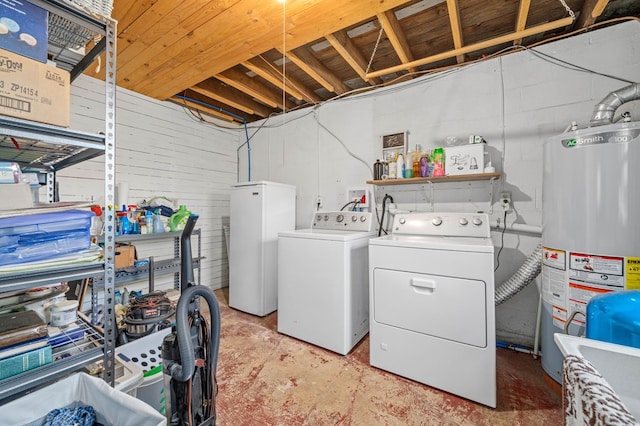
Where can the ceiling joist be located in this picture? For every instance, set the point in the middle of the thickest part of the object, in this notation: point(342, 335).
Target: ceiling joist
point(477, 46)
point(456, 27)
point(398, 40)
point(224, 53)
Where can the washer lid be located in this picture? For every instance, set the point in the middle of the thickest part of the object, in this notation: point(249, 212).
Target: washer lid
point(325, 234)
point(468, 244)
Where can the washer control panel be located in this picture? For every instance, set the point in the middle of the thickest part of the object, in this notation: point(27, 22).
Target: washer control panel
point(443, 224)
point(343, 221)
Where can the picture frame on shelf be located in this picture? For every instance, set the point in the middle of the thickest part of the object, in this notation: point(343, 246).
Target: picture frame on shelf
point(393, 144)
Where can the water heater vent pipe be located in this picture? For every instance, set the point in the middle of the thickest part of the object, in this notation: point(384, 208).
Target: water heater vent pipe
point(604, 111)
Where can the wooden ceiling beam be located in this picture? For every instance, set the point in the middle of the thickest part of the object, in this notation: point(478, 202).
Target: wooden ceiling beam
point(266, 70)
point(521, 21)
point(308, 63)
point(222, 93)
point(135, 56)
point(478, 46)
point(350, 53)
point(591, 10)
point(219, 45)
point(246, 84)
point(396, 36)
point(456, 27)
point(276, 80)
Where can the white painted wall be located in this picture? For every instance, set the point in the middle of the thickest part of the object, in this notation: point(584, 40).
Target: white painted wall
point(515, 102)
point(160, 151)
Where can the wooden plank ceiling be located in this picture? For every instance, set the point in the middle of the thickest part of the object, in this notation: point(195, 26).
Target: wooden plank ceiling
point(244, 60)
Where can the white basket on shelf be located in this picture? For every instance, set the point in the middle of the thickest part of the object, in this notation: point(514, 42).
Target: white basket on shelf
point(97, 7)
point(146, 354)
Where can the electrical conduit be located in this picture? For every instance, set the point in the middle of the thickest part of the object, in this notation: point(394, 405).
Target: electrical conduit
point(224, 111)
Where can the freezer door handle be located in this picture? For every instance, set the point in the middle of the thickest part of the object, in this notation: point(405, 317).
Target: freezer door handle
point(423, 286)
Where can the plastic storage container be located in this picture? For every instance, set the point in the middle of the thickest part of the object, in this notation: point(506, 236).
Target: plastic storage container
point(112, 406)
point(43, 236)
point(146, 354)
point(615, 318)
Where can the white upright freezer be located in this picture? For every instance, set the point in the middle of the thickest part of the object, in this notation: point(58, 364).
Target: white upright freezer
point(259, 210)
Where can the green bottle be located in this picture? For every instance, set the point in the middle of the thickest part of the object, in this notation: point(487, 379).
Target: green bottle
point(178, 220)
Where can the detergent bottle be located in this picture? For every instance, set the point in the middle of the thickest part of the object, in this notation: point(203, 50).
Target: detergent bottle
point(438, 162)
point(178, 220)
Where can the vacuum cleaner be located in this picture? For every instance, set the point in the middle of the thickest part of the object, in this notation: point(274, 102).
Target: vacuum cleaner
point(190, 351)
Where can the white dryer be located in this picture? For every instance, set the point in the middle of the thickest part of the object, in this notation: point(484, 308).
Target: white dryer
point(323, 285)
point(432, 313)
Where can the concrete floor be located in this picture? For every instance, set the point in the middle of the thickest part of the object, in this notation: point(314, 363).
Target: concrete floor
point(266, 378)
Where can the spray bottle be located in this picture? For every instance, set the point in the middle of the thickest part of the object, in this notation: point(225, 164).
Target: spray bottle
point(158, 226)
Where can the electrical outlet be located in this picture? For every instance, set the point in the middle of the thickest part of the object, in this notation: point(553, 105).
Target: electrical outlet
point(505, 200)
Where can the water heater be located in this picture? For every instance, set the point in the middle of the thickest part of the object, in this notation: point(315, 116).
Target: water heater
point(591, 225)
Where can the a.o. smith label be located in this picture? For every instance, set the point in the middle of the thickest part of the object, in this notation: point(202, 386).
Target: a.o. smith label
point(617, 136)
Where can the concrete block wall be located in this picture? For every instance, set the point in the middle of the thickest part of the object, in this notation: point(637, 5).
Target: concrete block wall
point(161, 150)
point(515, 102)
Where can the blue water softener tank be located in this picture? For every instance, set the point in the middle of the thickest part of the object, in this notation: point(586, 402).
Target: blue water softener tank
point(615, 318)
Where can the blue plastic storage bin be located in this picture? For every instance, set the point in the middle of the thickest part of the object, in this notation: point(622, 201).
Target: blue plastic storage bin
point(615, 317)
point(43, 236)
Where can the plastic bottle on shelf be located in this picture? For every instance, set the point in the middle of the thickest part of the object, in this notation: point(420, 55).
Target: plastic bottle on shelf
point(178, 220)
point(377, 170)
point(400, 166)
point(438, 162)
point(415, 160)
point(424, 165)
point(392, 168)
point(158, 225)
point(408, 165)
point(148, 221)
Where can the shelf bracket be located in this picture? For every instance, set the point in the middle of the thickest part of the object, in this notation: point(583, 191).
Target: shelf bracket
point(51, 187)
point(431, 193)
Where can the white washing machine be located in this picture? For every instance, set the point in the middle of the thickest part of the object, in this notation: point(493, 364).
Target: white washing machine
point(323, 280)
point(432, 313)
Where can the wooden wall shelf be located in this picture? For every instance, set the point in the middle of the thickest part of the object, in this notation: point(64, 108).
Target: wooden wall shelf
point(436, 179)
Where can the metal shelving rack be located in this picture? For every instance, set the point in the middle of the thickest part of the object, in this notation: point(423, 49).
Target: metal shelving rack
point(156, 267)
point(52, 148)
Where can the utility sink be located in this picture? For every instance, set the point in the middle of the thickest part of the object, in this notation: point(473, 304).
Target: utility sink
point(619, 365)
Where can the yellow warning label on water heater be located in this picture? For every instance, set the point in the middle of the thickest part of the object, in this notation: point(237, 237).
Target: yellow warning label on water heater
point(633, 273)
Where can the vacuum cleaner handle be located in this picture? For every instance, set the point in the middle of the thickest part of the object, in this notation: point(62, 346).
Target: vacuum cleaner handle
point(186, 259)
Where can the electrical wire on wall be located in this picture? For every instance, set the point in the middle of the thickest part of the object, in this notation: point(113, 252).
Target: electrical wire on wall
point(504, 228)
point(389, 87)
point(381, 222)
point(244, 122)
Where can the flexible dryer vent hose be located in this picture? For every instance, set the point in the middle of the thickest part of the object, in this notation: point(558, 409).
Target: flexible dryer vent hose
point(522, 277)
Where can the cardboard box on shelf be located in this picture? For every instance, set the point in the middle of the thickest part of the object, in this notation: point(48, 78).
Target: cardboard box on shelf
point(34, 91)
point(23, 29)
point(125, 256)
point(15, 196)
